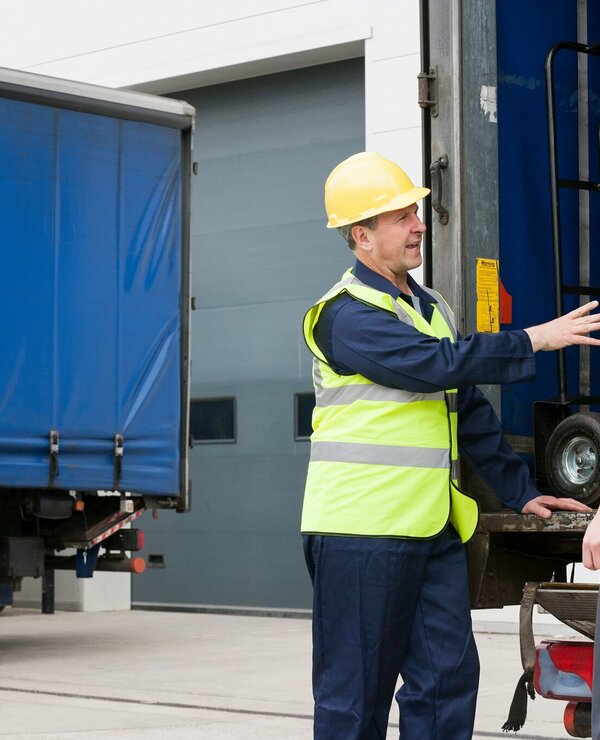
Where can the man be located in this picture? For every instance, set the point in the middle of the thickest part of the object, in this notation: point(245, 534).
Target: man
point(384, 520)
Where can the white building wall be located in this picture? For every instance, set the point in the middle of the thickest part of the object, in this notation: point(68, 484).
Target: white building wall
point(157, 46)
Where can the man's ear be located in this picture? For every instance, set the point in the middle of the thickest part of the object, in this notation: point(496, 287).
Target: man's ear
point(361, 237)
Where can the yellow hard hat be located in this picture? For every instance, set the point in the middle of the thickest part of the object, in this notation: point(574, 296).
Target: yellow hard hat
point(363, 186)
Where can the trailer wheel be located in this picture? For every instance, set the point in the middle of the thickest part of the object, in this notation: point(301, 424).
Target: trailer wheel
point(573, 458)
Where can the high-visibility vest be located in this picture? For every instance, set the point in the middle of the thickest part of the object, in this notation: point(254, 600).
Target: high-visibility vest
point(383, 461)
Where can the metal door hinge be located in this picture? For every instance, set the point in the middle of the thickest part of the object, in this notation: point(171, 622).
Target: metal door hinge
point(428, 90)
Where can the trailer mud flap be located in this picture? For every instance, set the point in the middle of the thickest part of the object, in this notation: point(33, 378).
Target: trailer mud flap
point(517, 713)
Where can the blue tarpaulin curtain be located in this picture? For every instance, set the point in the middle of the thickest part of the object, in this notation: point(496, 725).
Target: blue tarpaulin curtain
point(90, 279)
point(524, 177)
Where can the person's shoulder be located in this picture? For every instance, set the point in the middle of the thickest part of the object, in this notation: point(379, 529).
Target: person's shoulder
point(349, 316)
point(332, 308)
point(346, 305)
point(344, 313)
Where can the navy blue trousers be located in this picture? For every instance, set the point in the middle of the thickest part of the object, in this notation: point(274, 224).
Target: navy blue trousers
point(384, 608)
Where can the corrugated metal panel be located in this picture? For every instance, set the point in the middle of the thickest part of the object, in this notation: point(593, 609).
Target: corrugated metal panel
point(261, 255)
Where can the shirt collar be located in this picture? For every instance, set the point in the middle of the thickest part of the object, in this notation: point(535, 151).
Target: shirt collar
point(374, 280)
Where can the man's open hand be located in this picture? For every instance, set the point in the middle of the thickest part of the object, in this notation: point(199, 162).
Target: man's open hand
point(543, 506)
point(572, 328)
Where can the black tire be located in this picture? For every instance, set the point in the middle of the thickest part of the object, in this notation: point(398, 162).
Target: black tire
point(573, 458)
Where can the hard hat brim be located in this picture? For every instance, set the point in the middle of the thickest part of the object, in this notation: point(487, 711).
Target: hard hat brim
point(403, 200)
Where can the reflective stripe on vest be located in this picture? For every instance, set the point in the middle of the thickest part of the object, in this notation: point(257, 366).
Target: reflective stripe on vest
point(407, 457)
point(383, 460)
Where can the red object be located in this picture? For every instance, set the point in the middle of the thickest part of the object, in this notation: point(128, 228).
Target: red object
point(138, 565)
point(577, 719)
point(569, 718)
point(505, 305)
point(567, 657)
point(140, 540)
point(574, 657)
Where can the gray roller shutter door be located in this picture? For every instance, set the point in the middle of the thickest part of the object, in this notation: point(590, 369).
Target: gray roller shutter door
point(260, 256)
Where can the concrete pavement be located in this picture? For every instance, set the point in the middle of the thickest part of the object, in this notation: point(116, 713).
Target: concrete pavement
point(183, 676)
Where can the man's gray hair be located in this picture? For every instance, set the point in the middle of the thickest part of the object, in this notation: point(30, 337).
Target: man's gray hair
point(346, 231)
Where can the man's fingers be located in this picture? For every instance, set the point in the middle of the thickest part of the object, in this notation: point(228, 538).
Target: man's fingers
point(564, 504)
point(587, 323)
point(591, 556)
point(581, 310)
point(541, 511)
point(571, 504)
point(589, 562)
point(588, 340)
point(542, 506)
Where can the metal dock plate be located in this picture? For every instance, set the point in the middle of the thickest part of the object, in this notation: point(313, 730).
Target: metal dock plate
point(574, 604)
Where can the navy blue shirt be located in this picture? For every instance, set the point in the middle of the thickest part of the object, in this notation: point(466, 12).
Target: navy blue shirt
point(357, 338)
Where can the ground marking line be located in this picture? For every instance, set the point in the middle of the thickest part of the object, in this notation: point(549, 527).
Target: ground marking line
point(174, 705)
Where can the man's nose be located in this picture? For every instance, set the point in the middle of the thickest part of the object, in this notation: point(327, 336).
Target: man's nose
point(419, 226)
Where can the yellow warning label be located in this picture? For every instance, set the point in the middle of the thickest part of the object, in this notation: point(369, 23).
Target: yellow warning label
point(488, 296)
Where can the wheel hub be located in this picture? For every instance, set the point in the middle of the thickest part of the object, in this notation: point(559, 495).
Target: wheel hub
point(579, 460)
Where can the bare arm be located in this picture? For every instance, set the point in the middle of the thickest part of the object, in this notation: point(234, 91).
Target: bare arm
point(591, 544)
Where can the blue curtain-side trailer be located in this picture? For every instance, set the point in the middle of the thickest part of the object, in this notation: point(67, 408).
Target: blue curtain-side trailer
point(94, 289)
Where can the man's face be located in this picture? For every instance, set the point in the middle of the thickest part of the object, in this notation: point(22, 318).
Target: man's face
point(394, 246)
